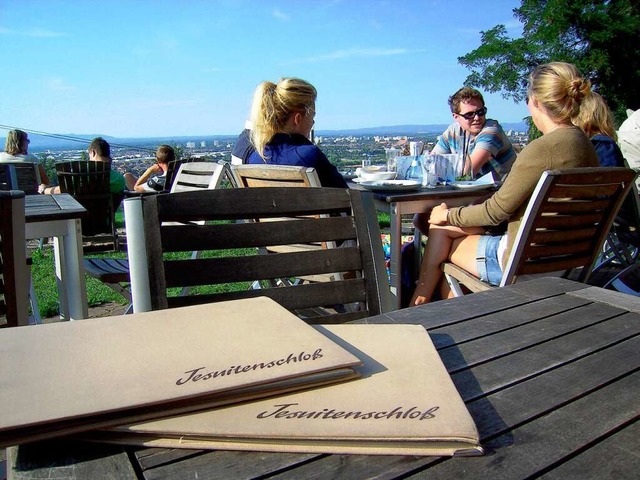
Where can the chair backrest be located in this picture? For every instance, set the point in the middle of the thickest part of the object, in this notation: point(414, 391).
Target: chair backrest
point(230, 238)
point(197, 176)
point(14, 278)
point(88, 183)
point(23, 176)
point(172, 171)
point(255, 175)
point(567, 220)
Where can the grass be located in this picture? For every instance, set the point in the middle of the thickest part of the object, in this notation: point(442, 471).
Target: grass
point(43, 272)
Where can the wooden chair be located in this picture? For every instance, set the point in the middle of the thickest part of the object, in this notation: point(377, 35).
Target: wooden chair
point(308, 215)
point(114, 272)
point(23, 176)
point(198, 175)
point(14, 275)
point(172, 172)
point(88, 183)
point(564, 226)
point(254, 175)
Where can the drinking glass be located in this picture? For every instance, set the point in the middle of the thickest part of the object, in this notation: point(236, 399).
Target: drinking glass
point(429, 176)
point(392, 156)
point(463, 167)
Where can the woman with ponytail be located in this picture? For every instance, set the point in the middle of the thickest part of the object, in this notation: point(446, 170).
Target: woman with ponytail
point(460, 235)
point(282, 118)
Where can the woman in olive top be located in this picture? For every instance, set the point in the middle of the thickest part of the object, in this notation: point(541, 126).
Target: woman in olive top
point(461, 235)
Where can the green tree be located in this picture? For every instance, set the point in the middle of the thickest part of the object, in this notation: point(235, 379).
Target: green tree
point(49, 164)
point(601, 37)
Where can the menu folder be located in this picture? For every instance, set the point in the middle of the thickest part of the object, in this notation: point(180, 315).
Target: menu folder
point(405, 403)
point(68, 377)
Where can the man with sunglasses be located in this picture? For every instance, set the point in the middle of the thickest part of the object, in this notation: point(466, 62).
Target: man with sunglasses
point(475, 136)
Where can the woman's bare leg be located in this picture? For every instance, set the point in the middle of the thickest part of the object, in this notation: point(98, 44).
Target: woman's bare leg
point(463, 254)
point(439, 247)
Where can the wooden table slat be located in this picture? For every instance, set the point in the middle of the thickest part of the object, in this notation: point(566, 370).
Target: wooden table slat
point(614, 457)
point(555, 330)
point(553, 438)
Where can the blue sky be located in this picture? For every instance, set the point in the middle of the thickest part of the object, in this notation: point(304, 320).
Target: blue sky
point(167, 68)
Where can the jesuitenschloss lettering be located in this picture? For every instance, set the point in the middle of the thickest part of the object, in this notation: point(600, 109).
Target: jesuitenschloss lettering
point(284, 411)
point(200, 374)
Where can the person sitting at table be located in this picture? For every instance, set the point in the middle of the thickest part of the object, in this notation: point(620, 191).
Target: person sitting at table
point(282, 119)
point(16, 150)
point(474, 136)
point(596, 120)
point(153, 179)
point(100, 151)
point(555, 93)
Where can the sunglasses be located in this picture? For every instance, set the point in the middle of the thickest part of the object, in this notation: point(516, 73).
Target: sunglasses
point(481, 112)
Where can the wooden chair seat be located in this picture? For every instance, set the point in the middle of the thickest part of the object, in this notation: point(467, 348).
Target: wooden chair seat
point(564, 226)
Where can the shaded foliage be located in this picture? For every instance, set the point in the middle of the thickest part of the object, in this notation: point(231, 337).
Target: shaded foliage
point(600, 37)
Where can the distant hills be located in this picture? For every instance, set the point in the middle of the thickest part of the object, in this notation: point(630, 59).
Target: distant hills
point(81, 141)
point(409, 130)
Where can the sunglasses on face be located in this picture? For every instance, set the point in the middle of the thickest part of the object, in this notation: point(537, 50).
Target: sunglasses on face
point(481, 112)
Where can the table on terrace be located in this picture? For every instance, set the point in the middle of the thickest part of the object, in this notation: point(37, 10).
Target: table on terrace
point(549, 370)
point(397, 204)
point(58, 216)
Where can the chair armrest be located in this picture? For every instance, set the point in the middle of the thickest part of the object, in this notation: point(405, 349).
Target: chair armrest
point(463, 277)
point(134, 193)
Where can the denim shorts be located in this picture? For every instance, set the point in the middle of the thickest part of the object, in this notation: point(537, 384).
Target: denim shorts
point(487, 259)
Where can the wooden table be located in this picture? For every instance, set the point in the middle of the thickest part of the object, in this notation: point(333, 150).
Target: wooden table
point(549, 369)
point(397, 204)
point(58, 216)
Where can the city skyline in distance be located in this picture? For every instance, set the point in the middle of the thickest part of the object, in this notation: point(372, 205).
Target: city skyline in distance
point(72, 141)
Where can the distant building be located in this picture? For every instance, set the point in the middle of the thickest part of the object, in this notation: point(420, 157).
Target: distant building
point(191, 144)
point(203, 144)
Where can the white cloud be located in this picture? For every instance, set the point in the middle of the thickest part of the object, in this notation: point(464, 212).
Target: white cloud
point(34, 32)
point(150, 104)
point(358, 52)
point(58, 85)
point(280, 15)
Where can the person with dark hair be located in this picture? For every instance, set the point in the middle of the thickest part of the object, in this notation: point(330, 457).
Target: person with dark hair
point(282, 119)
point(477, 138)
point(100, 151)
point(153, 179)
point(16, 150)
point(461, 235)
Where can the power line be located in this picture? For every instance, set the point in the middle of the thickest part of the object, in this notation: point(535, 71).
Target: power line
point(73, 139)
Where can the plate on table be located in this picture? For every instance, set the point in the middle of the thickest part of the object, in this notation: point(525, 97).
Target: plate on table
point(471, 185)
point(391, 185)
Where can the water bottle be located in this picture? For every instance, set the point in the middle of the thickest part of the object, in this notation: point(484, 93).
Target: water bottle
point(415, 170)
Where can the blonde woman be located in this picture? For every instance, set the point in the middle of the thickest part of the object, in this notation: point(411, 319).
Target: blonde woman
point(16, 150)
point(282, 118)
point(556, 91)
point(596, 120)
